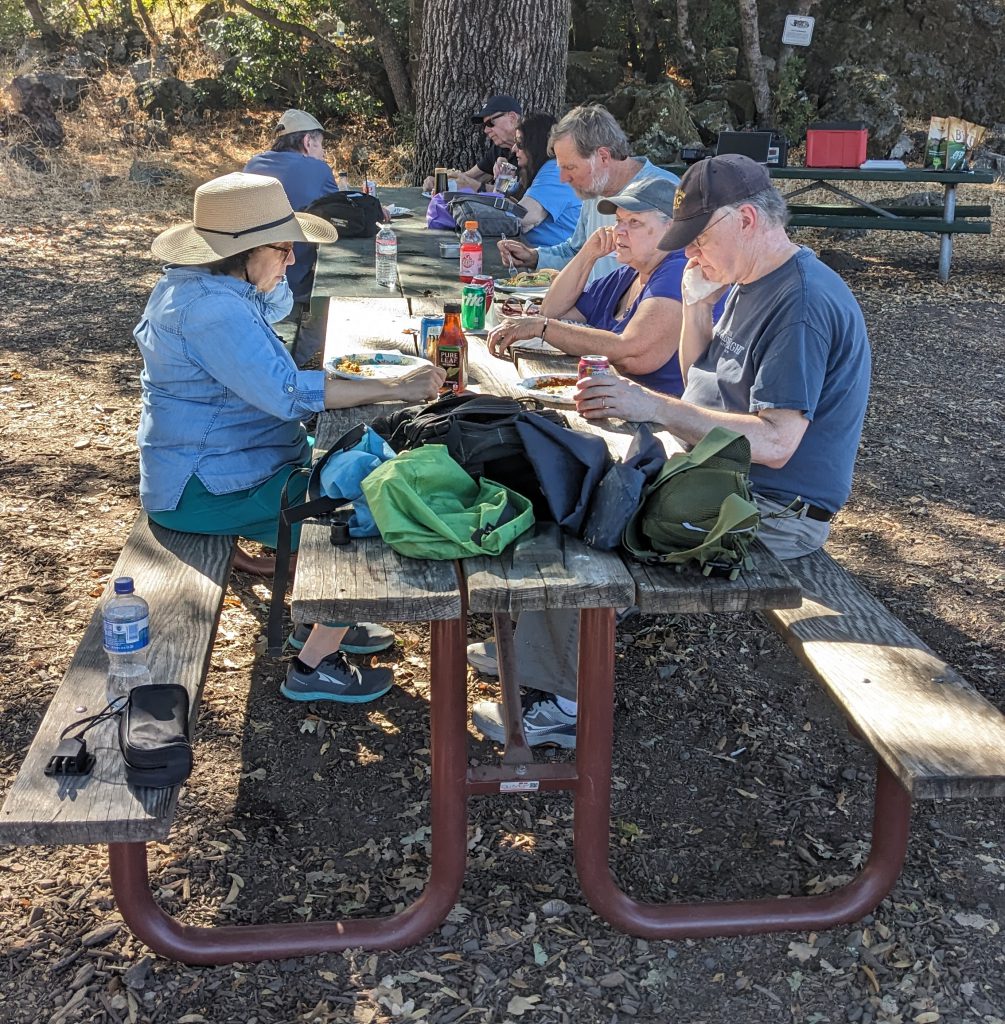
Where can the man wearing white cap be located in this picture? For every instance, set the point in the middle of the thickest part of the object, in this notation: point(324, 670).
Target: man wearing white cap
point(297, 160)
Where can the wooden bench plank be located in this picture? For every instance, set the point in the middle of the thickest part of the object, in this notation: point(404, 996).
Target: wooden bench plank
point(874, 222)
point(934, 731)
point(183, 577)
point(898, 209)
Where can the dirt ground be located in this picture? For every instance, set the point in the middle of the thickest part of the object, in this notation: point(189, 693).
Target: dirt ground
point(733, 776)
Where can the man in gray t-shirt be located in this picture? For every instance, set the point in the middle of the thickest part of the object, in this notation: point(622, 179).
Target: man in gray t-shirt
point(787, 365)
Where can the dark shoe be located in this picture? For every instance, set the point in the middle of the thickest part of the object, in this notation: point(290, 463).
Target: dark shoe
point(544, 722)
point(363, 638)
point(335, 679)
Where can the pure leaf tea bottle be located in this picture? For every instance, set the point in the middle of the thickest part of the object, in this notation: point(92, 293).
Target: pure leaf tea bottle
point(451, 350)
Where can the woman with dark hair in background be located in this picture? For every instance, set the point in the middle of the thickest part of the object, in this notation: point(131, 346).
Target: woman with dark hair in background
point(552, 206)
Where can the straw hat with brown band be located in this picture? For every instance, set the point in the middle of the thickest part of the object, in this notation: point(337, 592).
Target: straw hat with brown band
point(235, 213)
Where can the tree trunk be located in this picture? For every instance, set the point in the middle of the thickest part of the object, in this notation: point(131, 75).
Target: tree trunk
point(470, 52)
point(653, 64)
point(376, 23)
point(50, 37)
point(684, 29)
point(148, 25)
point(750, 30)
point(415, 14)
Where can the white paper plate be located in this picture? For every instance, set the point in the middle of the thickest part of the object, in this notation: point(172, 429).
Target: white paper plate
point(530, 291)
point(399, 211)
point(564, 395)
point(373, 365)
point(427, 195)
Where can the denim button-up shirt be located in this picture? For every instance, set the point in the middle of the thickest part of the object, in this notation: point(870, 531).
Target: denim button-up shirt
point(222, 399)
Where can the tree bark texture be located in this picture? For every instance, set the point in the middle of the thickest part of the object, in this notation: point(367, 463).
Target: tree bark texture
point(42, 25)
point(472, 51)
point(750, 29)
point(653, 64)
point(684, 29)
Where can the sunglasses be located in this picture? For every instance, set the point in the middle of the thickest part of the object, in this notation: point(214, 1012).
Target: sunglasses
point(284, 249)
point(489, 121)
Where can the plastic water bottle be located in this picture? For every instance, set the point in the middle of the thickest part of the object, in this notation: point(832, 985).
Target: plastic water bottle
point(387, 256)
point(125, 619)
point(343, 181)
point(471, 251)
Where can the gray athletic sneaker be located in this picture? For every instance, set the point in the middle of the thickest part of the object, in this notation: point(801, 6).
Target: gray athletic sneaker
point(335, 679)
point(544, 722)
point(482, 657)
point(362, 638)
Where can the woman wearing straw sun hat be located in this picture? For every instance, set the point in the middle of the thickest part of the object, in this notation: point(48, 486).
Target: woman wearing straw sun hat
point(221, 427)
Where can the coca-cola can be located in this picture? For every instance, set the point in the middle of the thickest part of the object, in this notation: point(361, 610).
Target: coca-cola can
point(488, 283)
point(592, 366)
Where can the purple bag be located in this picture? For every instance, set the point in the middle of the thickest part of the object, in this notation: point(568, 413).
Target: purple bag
point(438, 213)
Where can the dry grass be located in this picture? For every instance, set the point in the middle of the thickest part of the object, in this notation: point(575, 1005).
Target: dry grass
point(88, 177)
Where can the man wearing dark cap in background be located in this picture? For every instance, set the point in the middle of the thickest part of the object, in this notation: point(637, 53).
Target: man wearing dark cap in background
point(499, 119)
point(297, 160)
point(787, 365)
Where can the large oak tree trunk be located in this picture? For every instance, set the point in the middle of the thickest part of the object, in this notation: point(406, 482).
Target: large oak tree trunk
point(471, 51)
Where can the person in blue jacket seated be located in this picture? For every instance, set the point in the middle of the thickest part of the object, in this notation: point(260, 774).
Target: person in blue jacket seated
point(632, 315)
point(221, 431)
point(552, 206)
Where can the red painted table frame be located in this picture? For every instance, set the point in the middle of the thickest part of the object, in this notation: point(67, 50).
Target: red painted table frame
point(589, 778)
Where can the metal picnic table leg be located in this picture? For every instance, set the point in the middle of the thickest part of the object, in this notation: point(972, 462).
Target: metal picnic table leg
point(700, 919)
point(230, 943)
point(946, 242)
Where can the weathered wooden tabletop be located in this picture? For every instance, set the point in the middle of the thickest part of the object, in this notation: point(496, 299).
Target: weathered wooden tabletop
point(366, 579)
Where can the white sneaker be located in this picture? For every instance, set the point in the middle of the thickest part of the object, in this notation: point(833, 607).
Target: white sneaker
point(482, 657)
point(544, 722)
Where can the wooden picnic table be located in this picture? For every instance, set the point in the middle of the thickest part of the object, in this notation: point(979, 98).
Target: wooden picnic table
point(858, 213)
point(367, 579)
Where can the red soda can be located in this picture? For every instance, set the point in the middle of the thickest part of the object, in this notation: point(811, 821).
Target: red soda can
point(591, 366)
point(488, 283)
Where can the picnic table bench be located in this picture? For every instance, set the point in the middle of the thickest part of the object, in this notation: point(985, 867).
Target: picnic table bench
point(941, 221)
point(944, 221)
point(933, 734)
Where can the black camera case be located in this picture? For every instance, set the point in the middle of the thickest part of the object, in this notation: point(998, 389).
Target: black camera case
point(154, 736)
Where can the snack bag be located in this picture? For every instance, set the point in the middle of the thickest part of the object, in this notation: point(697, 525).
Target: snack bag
point(956, 144)
point(975, 136)
point(935, 147)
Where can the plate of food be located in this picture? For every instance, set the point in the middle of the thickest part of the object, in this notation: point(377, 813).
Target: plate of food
point(372, 365)
point(528, 282)
point(553, 388)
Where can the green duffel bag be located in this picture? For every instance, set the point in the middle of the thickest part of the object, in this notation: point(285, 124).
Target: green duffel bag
point(426, 506)
point(699, 508)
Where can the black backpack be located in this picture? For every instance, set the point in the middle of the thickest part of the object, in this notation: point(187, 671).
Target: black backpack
point(480, 432)
point(515, 442)
point(354, 214)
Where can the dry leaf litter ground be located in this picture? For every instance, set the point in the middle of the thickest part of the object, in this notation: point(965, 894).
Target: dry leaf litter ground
point(733, 776)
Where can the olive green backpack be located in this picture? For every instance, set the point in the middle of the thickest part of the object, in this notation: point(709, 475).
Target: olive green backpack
point(699, 508)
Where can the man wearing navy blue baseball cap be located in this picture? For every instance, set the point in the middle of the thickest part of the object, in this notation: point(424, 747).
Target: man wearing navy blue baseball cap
point(499, 117)
point(787, 364)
